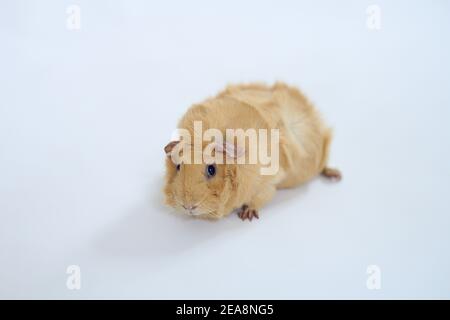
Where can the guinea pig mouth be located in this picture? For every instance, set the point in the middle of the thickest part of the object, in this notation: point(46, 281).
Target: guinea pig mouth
point(191, 211)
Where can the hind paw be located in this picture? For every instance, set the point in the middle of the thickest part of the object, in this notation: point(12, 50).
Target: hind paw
point(332, 174)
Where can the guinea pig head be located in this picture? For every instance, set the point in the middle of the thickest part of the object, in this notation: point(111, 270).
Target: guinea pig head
point(198, 189)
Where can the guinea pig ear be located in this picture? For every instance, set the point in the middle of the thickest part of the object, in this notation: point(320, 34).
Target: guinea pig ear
point(169, 147)
point(230, 150)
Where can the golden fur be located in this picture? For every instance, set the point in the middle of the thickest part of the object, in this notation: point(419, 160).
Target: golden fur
point(304, 147)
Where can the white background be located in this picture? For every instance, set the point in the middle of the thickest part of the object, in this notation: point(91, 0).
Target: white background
point(84, 117)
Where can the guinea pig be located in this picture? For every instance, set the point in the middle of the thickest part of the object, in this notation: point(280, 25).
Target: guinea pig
point(231, 178)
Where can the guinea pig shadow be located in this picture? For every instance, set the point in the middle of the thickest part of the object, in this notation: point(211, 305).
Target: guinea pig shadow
point(284, 197)
point(154, 231)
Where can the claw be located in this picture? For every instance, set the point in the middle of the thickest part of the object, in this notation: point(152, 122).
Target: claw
point(332, 174)
point(247, 213)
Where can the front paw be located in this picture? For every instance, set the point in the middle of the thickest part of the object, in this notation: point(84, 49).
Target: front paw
point(247, 213)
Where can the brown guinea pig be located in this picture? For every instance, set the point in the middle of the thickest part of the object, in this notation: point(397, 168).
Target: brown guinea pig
point(211, 174)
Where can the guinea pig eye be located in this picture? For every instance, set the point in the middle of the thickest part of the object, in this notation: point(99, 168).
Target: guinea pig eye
point(178, 167)
point(210, 170)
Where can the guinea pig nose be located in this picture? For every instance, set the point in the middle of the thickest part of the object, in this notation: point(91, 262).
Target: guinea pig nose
point(190, 207)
